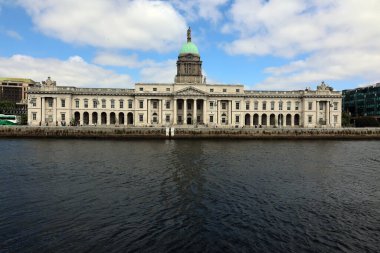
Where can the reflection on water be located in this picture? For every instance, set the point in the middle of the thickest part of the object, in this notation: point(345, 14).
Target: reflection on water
point(189, 195)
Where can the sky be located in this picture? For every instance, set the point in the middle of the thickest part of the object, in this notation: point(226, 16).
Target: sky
point(262, 44)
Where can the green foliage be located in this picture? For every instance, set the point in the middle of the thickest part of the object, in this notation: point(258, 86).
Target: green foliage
point(24, 119)
point(366, 122)
point(4, 104)
point(346, 119)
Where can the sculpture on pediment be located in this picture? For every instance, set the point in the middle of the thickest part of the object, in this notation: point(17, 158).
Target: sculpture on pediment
point(324, 87)
point(49, 83)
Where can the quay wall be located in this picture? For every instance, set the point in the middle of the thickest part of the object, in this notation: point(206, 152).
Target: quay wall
point(183, 133)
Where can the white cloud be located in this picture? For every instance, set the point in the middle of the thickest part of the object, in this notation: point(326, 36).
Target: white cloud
point(72, 72)
point(326, 39)
point(113, 59)
point(13, 34)
point(143, 25)
point(160, 72)
point(195, 9)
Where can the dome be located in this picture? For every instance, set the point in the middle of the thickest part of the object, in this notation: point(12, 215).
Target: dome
point(189, 48)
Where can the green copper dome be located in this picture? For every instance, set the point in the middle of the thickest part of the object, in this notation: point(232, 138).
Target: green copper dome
point(189, 48)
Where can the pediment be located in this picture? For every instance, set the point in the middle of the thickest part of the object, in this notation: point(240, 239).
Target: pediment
point(191, 91)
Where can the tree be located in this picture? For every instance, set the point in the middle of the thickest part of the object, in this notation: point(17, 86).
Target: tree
point(346, 119)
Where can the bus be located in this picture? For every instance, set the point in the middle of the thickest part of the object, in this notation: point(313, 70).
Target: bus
point(9, 119)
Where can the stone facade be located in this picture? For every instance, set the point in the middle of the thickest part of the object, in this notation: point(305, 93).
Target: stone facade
point(189, 101)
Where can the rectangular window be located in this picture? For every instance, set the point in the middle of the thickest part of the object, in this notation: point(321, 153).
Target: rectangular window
point(238, 90)
point(86, 104)
point(288, 106)
point(167, 89)
point(320, 106)
point(179, 106)
point(154, 89)
point(121, 104)
point(141, 104)
point(211, 118)
point(335, 118)
point(237, 118)
point(237, 105)
point(141, 89)
point(224, 106)
point(34, 102)
point(77, 103)
point(280, 106)
point(141, 117)
point(112, 103)
point(310, 106)
point(224, 90)
point(34, 116)
point(155, 105)
point(264, 105)
point(189, 106)
point(272, 105)
point(63, 103)
point(247, 105)
point(167, 118)
point(297, 106)
point(50, 102)
point(335, 106)
point(95, 103)
point(103, 103)
point(256, 105)
point(211, 90)
point(310, 119)
point(167, 104)
point(211, 105)
point(130, 104)
point(63, 117)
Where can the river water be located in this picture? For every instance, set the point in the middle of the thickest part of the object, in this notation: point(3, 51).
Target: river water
point(189, 196)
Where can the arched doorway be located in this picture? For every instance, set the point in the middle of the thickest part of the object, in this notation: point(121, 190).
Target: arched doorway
point(272, 120)
point(280, 120)
point(224, 119)
point(121, 118)
point(76, 119)
point(247, 119)
point(112, 118)
point(189, 119)
point(297, 120)
point(103, 118)
point(130, 118)
point(86, 118)
point(256, 119)
point(94, 118)
point(288, 120)
point(264, 119)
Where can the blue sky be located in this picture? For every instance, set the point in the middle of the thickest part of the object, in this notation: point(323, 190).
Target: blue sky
point(265, 45)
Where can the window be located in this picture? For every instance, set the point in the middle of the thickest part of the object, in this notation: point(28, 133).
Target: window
point(141, 117)
point(264, 105)
point(129, 104)
point(247, 105)
point(121, 104)
point(103, 103)
point(211, 90)
point(288, 105)
point(63, 103)
point(280, 105)
point(63, 117)
point(237, 105)
point(167, 89)
point(154, 89)
point(224, 106)
point(320, 106)
point(95, 103)
point(211, 105)
point(211, 118)
point(112, 103)
point(198, 106)
point(237, 118)
point(310, 119)
point(167, 119)
point(237, 90)
point(310, 105)
point(86, 103)
point(297, 105)
point(179, 106)
point(167, 104)
point(256, 105)
point(77, 103)
point(34, 115)
point(34, 102)
point(189, 106)
point(50, 102)
point(272, 105)
point(155, 104)
point(224, 90)
point(141, 89)
point(141, 104)
point(335, 118)
point(335, 106)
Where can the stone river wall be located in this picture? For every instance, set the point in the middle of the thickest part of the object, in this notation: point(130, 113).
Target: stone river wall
point(183, 133)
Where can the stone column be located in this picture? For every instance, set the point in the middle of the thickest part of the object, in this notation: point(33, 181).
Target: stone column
point(195, 112)
point(328, 120)
point(43, 111)
point(230, 112)
point(292, 120)
point(55, 116)
point(317, 113)
point(205, 119)
point(184, 120)
point(148, 112)
point(218, 119)
point(175, 112)
point(159, 111)
point(89, 118)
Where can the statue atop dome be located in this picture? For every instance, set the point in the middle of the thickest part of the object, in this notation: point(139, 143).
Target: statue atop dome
point(189, 35)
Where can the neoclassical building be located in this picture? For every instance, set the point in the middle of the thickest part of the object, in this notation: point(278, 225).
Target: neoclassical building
point(189, 101)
